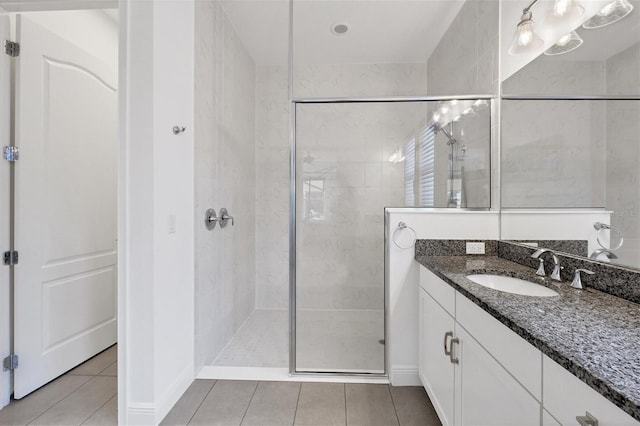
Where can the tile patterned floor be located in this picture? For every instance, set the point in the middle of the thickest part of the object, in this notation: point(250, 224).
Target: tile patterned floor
point(210, 402)
point(85, 395)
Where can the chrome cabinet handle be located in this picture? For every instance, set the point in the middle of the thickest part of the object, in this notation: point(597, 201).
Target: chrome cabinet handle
point(452, 357)
point(210, 219)
point(446, 336)
point(224, 218)
point(587, 420)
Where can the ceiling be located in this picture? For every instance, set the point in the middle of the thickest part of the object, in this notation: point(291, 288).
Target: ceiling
point(380, 31)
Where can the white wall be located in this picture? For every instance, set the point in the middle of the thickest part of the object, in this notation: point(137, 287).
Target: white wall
point(156, 296)
point(552, 224)
point(403, 279)
point(225, 176)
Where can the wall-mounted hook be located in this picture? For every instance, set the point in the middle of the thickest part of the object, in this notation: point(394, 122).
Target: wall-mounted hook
point(178, 129)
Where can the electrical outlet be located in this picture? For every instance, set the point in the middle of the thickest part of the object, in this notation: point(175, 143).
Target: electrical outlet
point(475, 248)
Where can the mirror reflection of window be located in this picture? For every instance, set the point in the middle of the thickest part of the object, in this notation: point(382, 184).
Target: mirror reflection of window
point(313, 199)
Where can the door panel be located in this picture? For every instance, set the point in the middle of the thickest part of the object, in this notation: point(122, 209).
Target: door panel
point(65, 298)
point(436, 369)
point(486, 393)
point(5, 185)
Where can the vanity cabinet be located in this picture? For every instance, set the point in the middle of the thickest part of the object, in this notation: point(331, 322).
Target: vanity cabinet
point(493, 376)
point(465, 383)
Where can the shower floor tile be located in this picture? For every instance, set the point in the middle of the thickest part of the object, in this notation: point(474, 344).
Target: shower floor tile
point(262, 341)
point(327, 340)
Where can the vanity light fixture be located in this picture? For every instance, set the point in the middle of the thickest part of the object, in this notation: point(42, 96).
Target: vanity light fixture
point(612, 12)
point(526, 38)
point(565, 45)
point(565, 11)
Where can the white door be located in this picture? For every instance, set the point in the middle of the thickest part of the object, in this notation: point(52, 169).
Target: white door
point(65, 227)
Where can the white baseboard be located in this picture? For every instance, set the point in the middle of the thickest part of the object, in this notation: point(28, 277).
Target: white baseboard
point(141, 414)
point(405, 376)
point(279, 375)
point(173, 393)
point(153, 413)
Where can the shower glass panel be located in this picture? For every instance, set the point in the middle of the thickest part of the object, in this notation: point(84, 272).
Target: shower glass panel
point(353, 160)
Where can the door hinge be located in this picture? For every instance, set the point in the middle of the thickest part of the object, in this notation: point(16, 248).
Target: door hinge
point(10, 362)
point(12, 48)
point(10, 257)
point(11, 153)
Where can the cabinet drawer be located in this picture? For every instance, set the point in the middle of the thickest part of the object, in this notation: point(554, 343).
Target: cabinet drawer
point(442, 292)
point(515, 354)
point(566, 396)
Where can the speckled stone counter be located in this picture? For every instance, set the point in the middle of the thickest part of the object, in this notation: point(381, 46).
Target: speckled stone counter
point(592, 334)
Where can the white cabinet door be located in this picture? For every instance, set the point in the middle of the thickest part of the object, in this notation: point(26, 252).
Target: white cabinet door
point(65, 225)
point(566, 396)
point(486, 393)
point(435, 368)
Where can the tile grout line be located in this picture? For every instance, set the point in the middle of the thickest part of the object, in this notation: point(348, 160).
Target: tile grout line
point(99, 408)
point(56, 404)
point(393, 402)
point(249, 404)
point(215, 382)
point(295, 414)
point(105, 369)
point(344, 386)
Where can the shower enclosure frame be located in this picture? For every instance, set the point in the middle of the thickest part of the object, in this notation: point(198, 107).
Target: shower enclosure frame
point(293, 103)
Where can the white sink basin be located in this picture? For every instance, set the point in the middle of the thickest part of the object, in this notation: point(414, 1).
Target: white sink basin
point(512, 285)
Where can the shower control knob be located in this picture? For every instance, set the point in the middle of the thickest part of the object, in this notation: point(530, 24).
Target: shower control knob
point(210, 219)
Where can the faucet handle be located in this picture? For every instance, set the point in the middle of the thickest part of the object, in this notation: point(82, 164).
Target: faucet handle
point(577, 281)
point(540, 270)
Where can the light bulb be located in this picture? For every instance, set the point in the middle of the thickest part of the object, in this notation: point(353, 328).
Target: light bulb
point(566, 44)
point(565, 11)
point(564, 40)
point(526, 39)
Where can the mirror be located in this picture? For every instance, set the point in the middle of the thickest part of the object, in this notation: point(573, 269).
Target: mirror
point(571, 138)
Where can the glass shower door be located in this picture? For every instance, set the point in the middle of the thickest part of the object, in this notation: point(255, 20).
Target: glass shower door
point(352, 160)
point(349, 167)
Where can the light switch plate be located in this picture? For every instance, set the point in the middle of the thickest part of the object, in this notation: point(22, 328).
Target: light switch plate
point(475, 248)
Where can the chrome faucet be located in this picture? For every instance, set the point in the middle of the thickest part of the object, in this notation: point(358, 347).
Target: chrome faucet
point(577, 281)
point(555, 275)
point(600, 251)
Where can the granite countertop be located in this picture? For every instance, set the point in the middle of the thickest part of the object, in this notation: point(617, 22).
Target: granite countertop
point(592, 334)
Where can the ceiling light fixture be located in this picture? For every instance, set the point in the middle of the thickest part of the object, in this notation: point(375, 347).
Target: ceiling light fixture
point(565, 45)
point(612, 12)
point(526, 38)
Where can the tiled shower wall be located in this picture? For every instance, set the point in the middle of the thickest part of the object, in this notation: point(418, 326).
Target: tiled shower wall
point(465, 62)
point(225, 176)
point(272, 159)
